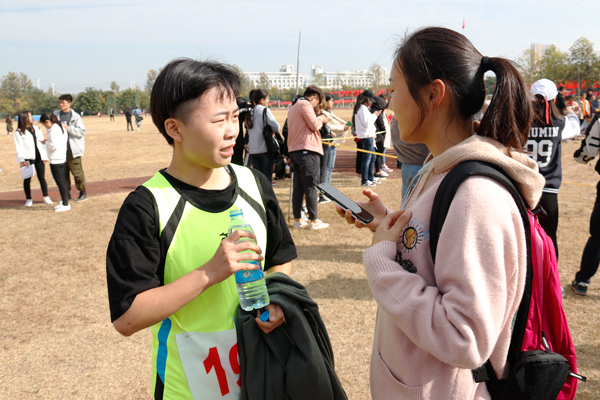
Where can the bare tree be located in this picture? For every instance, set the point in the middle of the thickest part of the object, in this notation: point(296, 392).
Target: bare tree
point(150, 79)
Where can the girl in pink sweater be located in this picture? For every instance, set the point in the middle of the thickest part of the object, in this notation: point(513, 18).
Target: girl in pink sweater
point(437, 322)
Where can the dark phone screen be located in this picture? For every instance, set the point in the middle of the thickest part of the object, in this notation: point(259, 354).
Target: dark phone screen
point(343, 201)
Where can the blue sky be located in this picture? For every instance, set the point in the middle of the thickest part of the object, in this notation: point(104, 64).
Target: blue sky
point(78, 43)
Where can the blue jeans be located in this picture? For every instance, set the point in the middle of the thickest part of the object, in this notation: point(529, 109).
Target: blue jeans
point(408, 173)
point(263, 162)
point(330, 163)
point(368, 161)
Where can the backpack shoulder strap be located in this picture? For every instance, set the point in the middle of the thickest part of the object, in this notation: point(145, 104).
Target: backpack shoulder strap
point(441, 204)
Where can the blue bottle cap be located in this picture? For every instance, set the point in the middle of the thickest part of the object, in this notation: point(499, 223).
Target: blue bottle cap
point(264, 317)
point(235, 213)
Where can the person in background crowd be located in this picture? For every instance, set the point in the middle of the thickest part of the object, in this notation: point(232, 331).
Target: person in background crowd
point(137, 114)
point(73, 124)
point(548, 128)
point(594, 105)
point(337, 126)
point(586, 104)
point(575, 107)
point(438, 320)
point(560, 100)
point(29, 144)
point(112, 115)
point(364, 127)
point(590, 259)
point(411, 155)
point(9, 125)
point(382, 128)
point(326, 136)
point(305, 151)
point(387, 143)
point(56, 145)
point(578, 101)
point(128, 119)
point(585, 124)
point(260, 156)
point(240, 141)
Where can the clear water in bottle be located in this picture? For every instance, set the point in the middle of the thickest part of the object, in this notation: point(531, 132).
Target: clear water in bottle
point(250, 284)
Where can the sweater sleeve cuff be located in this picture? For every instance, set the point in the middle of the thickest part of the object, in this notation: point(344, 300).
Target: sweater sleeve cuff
point(379, 260)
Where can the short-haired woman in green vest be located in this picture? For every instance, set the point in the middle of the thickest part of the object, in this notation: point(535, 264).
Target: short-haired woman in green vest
point(169, 262)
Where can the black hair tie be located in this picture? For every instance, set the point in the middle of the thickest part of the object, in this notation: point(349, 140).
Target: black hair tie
point(484, 63)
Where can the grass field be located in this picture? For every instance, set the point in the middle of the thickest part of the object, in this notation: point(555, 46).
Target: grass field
point(58, 341)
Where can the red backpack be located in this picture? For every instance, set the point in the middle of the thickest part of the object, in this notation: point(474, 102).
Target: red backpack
point(541, 354)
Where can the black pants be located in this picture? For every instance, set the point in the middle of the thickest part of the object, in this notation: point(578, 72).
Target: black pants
point(359, 156)
point(590, 258)
point(549, 203)
point(379, 140)
point(307, 172)
point(40, 171)
point(58, 173)
point(112, 117)
point(129, 124)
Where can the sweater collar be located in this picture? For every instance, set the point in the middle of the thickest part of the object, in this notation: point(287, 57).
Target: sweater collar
point(517, 165)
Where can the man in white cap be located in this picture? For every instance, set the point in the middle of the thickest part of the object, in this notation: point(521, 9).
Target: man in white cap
point(548, 128)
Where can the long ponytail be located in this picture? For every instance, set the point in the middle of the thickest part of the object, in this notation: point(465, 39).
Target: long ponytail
point(510, 113)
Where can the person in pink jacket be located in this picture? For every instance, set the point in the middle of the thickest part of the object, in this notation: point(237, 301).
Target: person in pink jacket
point(437, 322)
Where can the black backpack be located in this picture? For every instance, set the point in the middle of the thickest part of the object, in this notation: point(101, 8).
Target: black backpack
point(270, 137)
point(535, 374)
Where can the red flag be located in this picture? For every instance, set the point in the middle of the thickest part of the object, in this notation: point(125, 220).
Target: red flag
point(463, 23)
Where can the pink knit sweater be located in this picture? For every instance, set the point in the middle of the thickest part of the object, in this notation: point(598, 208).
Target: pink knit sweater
point(303, 128)
point(438, 322)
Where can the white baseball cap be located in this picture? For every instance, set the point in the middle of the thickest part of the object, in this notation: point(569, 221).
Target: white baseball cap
point(545, 88)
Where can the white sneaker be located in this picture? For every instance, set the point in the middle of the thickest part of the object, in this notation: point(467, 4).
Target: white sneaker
point(48, 200)
point(324, 200)
point(301, 224)
point(138, 129)
point(377, 181)
point(318, 225)
point(28, 203)
point(62, 208)
point(386, 168)
point(304, 214)
point(369, 183)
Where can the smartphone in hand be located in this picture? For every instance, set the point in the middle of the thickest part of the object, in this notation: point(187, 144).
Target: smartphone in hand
point(343, 201)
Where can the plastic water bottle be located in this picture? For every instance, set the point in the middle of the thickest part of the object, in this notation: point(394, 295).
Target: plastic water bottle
point(251, 283)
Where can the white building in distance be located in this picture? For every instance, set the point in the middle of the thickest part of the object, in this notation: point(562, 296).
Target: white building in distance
point(538, 51)
point(284, 79)
point(359, 78)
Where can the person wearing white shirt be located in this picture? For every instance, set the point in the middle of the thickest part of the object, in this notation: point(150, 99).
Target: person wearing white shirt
point(56, 145)
point(364, 127)
point(29, 144)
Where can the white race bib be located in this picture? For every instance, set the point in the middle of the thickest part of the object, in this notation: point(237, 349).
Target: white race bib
point(211, 363)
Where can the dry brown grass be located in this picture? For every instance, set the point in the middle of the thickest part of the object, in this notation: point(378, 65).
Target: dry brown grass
point(57, 338)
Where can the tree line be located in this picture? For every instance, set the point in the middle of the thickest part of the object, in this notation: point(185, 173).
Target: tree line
point(580, 63)
point(18, 93)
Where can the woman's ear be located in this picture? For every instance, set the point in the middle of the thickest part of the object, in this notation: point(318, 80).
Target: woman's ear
point(436, 92)
point(172, 127)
